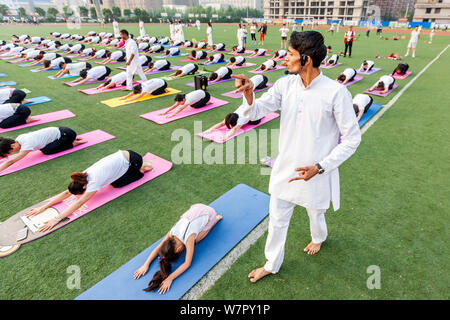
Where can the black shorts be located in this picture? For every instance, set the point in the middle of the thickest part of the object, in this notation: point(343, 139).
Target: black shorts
point(254, 122)
point(108, 72)
point(133, 173)
point(88, 66)
point(17, 96)
point(160, 90)
point(353, 77)
point(194, 70)
point(201, 103)
point(82, 47)
point(17, 119)
point(122, 58)
point(166, 67)
point(392, 84)
point(283, 38)
point(203, 56)
point(228, 74)
point(221, 59)
point(65, 142)
point(263, 84)
point(241, 63)
point(368, 105)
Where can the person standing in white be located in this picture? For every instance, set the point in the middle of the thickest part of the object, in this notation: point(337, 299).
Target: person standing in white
point(239, 36)
point(141, 28)
point(284, 31)
point(432, 32)
point(315, 110)
point(180, 32)
point(197, 22)
point(209, 35)
point(172, 31)
point(116, 28)
point(132, 64)
point(415, 34)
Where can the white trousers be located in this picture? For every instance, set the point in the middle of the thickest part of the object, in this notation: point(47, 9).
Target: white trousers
point(132, 69)
point(279, 217)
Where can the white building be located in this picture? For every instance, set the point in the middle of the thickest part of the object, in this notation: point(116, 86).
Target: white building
point(254, 4)
point(432, 11)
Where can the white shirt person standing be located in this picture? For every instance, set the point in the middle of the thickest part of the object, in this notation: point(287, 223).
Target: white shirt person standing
point(415, 34)
point(132, 56)
point(315, 110)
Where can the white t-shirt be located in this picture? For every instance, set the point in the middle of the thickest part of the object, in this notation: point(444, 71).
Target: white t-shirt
point(99, 53)
point(241, 120)
point(201, 44)
point(35, 39)
point(116, 55)
point(33, 54)
point(101, 34)
point(348, 73)
point(187, 68)
point(333, 57)
point(114, 42)
point(106, 171)
point(38, 139)
point(6, 111)
point(55, 62)
point(194, 96)
point(165, 40)
point(142, 60)
point(91, 33)
point(49, 56)
point(173, 51)
point(143, 46)
point(387, 80)
point(239, 59)
point(199, 54)
point(186, 227)
point(95, 39)
point(64, 47)
point(414, 36)
point(257, 80)
point(23, 37)
point(151, 85)
point(220, 46)
point(253, 29)
point(187, 44)
point(222, 71)
point(160, 64)
point(269, 64)
point(369, 64)
point(5, 94)
point(361, 100)
point(76, 48)
point(65, 35)
point(96, 72)
point(152, 40)
point(216, 57)
point(282, 53)
point(56, 34)
point(87, 51)
point(261, 52)
point(75, 68)
point(156, 47)
point(284, 32)
point(119, 78)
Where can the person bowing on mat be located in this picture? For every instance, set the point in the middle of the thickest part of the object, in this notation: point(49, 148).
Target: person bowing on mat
point(315, 110)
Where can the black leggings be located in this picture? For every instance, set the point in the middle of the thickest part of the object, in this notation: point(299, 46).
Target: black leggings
point(254, 122)
point(202, 102)
point(133, 173)
point(166, 67)
point(160, 90)
point(65, 142)
point(348, 46)
point(17, 119)
point(403, 68)
point(241, 63)
point(16, 97)
point(122, 58)
point(228, 75)
point(194, 70)
point(263, 84)
point(368, 105)
point(108, 72)
point(253, 36)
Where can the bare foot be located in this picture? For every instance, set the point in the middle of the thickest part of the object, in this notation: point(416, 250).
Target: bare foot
point(32, 119)
point(257, 274)
point(312, 248)
point(146, 167)
point(78, 141)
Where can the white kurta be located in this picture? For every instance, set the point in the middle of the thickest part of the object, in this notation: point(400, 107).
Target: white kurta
point(134, 67)
point(141, 29)
point(172, 32)
point(116, 29)
point(180, 32)
point(209, 36)
point(310, 123)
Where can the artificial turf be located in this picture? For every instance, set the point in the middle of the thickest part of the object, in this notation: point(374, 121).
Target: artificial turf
point(394, 190)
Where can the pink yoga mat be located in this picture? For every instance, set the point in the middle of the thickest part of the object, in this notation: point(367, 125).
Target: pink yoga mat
point(43, 118)
point(217, 134)
point(356, 79)
point(396, 76)
point(160, 166)
point(189, 111)
point(173, 68)
point(377, 92)
point(237, 54)
point(329, 67)
point(266, 55)
point(36, 157)
point(277, 67)
point(92, 91)
point(246, 64)
point(192, 84)
point(192, 60)
point(237, 95)
point(76, 84)
point(105, 64)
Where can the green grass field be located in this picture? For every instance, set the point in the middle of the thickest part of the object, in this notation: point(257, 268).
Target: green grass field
point(394, 190)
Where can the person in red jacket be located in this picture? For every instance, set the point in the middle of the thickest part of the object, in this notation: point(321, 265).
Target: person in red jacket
point(348, 41)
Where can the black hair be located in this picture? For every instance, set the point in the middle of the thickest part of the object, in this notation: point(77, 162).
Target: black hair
point(231, 120)
point(380, 85)
point(311, 44)
point(193, 53)
point(232, 59)
point(5, 146)
point(341, 77)
point(180, 97)
point(83, 73)
point(46, 63)
point(78, 183)
point(213, 76)
point(137, 89)
point(88, 66)
point(61, 64)
point(108, 81)
point(167, 51)
point(124, 32)
point(329, 47)
point(67, 60)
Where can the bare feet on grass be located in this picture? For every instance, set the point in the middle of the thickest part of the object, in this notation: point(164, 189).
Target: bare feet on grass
point(312, 248)
point(78, 141)
point(146, 167)
point(257, 274)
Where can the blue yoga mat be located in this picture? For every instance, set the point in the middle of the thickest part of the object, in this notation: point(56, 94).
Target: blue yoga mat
point(7, 83)
point(52, 69)
point(27, 65)
point(242, 208)
point(374, 108)
point(38, 100)
point(63, 77)
point(2, 75)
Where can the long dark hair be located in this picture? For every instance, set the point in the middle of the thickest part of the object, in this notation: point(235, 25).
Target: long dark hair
point(231, 120)
point(166, 255)
point(79, 181)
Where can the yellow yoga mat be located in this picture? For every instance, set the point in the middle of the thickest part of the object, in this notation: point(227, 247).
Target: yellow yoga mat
point(115, 102)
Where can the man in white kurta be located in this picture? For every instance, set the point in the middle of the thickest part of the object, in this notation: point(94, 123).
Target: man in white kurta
point(314, 111)
point(172, 31)
point(180, 32)
point(116, 28)
point(132, 56)
point(141, 28)
point(209, 35)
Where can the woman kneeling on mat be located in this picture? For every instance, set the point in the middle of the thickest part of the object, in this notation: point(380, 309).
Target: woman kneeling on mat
point(12, 95)
point(159, 65)
point(116, 56)
point(258, 53)
point(236, 61)
point(366, 66)
point(14, 114)
point(217, 58)
point(153, 87)
point(401, 69)
point(49, 140)
point(189, 68)
point(332, 61)
point(193, 226)
point(198, 55)
point(348, 75)
point(118, 169)
point(172, 52)
point(361, 103)
point(238, 49)
point(196, 99)
point(96, 73)
point(220, 74)
point(266, 66)
point(385, 84)
point(117, 80)
point(72, 69)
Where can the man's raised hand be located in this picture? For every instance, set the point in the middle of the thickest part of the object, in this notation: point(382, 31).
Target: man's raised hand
point(242, 83)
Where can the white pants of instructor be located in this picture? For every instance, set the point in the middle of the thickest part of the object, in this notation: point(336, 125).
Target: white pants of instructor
point(132, 69)
point(279, 217)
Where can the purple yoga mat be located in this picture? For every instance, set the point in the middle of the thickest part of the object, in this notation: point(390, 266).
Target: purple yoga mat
point(377, 92)
point(329, 67)
point(369, 72)
point(188, 111)
point(356, 79)
point(217, 135)
point(192, 84)
point(238, 95)
point(277, 67)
